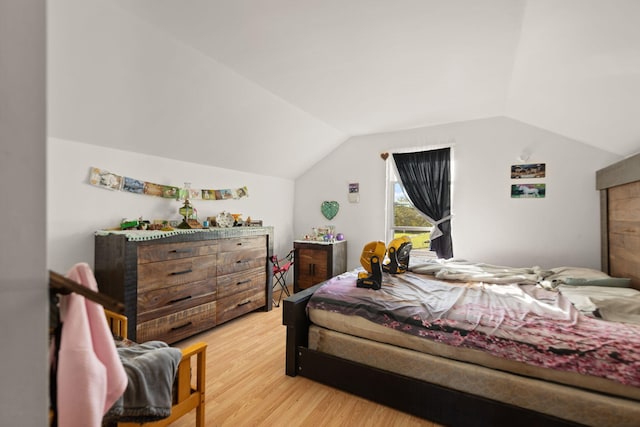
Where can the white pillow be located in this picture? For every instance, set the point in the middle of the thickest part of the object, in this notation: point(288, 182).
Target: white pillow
point(619, 309)
point(562, 273)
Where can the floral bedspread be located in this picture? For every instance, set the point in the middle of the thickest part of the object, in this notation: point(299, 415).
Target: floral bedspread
point(524, 323)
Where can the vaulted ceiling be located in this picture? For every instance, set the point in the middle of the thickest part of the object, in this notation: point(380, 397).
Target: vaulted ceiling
point(369, 66)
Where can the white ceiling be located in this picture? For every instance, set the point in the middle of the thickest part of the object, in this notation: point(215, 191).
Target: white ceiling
point(369, 66)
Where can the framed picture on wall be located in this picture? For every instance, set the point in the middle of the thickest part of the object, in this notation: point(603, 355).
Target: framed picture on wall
point(528, 191)
point(530, 170)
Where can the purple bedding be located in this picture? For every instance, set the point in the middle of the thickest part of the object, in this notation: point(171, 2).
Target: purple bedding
point(524, 323)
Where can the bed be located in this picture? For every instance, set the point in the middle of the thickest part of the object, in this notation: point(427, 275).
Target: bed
point(355, 354)
point(189, 386)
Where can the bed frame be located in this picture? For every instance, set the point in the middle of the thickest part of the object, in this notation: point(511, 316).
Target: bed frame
point(429, 401)
point(187, 397)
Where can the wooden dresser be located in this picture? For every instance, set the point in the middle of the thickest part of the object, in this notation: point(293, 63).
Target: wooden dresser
point(315, 262)
point(174, 286)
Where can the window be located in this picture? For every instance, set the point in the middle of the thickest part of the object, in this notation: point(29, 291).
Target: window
point(419, 204)
point(403, 218)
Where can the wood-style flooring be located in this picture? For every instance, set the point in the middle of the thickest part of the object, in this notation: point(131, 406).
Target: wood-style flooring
point(247, 386)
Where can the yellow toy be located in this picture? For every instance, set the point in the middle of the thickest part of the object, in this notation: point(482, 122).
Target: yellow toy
point(371, 259)
point(398, 252)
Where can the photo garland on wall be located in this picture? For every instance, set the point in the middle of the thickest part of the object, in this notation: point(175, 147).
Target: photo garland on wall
point(110, 181)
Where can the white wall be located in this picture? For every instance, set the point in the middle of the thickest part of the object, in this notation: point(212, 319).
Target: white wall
point(117, 81)
point(488, 225)
point(77, 209)
point(23, 279)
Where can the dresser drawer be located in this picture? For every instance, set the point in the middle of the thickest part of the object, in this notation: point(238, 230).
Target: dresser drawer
point(239, 304)
point(157, 275)
point(230, 284)
point(169, 251)
point(177, 326)
point(163, 301)
point(232, 262)
point(242, 243)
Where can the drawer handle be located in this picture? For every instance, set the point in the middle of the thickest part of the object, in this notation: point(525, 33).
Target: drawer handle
point(243, 282)
point(240, 261)
point(243, 303)
point(239, 244)
point(181, 251)
point(175, 328)
point(177, 273)
point(173, 301)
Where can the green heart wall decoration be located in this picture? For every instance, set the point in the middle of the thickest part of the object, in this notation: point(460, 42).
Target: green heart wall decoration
point(330, 209)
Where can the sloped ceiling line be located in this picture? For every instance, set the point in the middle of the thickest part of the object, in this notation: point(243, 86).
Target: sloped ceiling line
point(372, 66)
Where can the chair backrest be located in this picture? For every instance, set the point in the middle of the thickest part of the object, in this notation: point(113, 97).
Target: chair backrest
point(117, 323)
point(286, 266)
point(277, 268)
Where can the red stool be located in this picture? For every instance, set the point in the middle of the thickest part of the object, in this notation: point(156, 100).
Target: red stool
point(280, 272)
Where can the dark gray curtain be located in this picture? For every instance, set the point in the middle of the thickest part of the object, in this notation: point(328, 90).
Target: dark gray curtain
point(426, 177)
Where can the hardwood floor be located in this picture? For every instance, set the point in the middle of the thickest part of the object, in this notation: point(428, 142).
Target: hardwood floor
point(247, 386)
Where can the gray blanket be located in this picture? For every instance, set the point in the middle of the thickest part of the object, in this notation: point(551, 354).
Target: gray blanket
point(151, 369)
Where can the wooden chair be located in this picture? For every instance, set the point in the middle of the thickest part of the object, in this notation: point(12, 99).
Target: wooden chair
point(187, 397)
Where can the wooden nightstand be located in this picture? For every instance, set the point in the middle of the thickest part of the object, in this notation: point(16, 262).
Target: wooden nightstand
point(317, 261)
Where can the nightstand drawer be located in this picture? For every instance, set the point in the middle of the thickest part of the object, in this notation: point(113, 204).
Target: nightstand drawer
point(230, 284)
point(305, 282)
point(177, 326)
point(156, 275)
point(314, 263)
point(169, 251)
point(238, 304)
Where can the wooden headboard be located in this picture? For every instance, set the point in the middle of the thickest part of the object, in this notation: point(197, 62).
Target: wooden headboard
point(619, 186)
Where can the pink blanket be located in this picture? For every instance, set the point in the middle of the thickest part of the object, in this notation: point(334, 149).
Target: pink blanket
point(90, 377)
